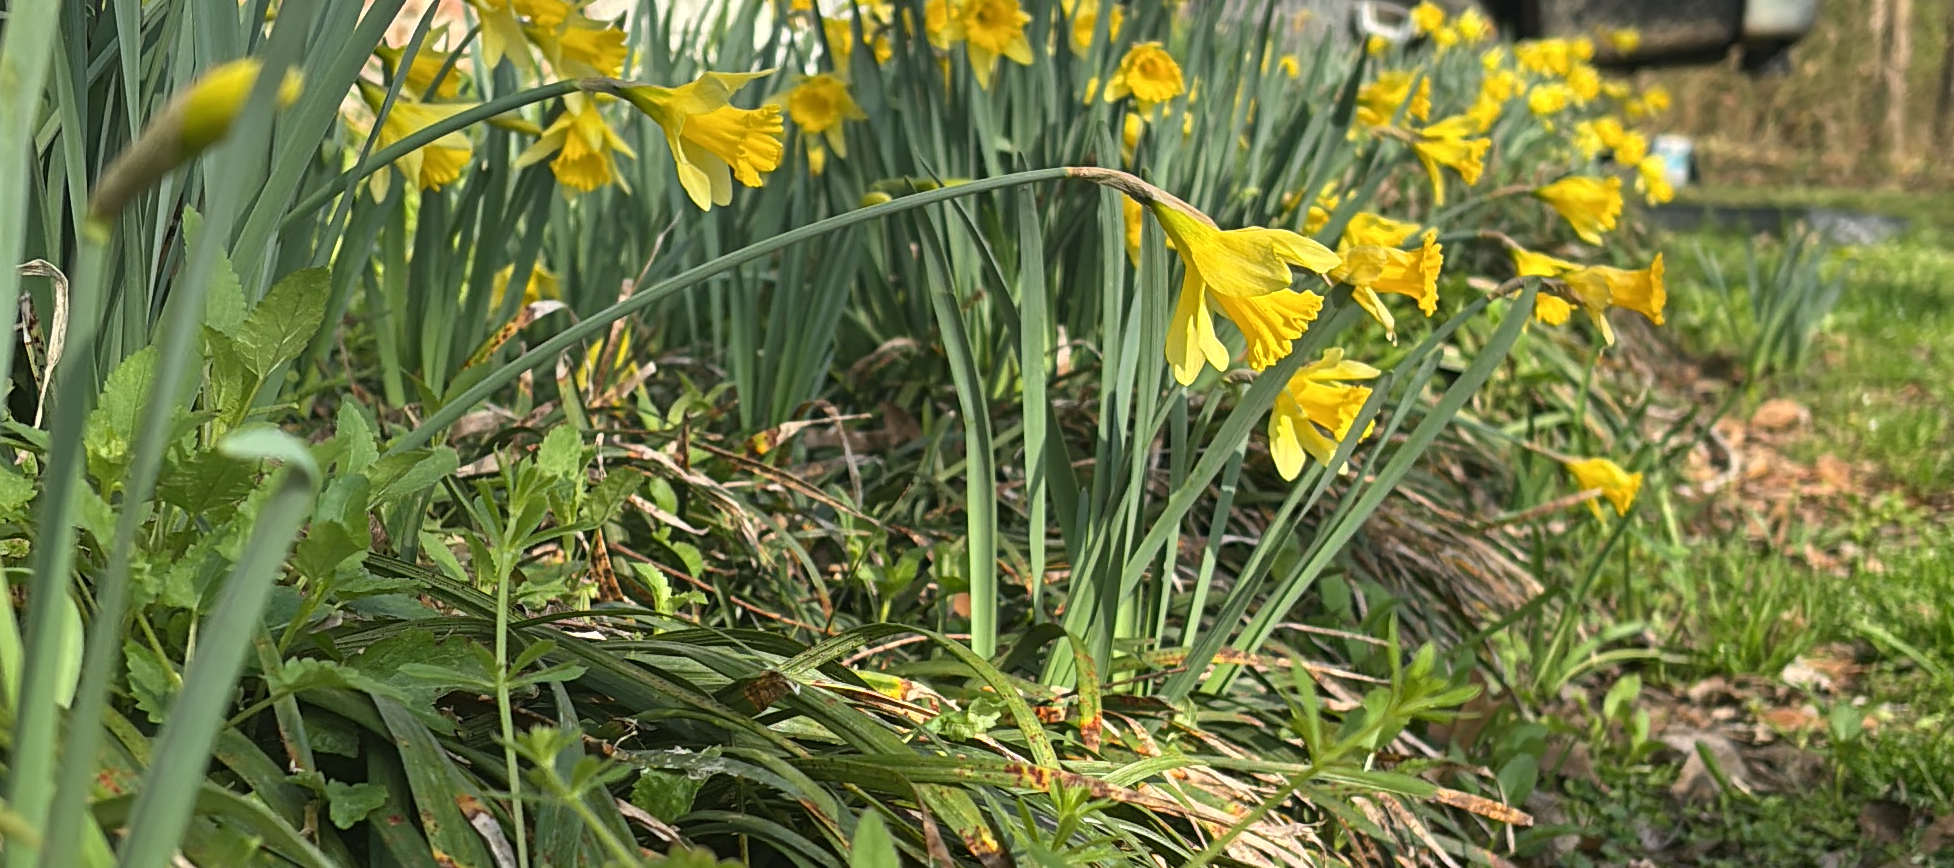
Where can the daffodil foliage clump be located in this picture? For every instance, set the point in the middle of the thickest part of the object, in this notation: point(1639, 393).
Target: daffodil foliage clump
point(543, 433)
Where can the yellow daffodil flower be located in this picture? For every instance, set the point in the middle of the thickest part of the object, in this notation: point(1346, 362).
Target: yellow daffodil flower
point(542, 284)
point(1472, 27)
point(1632, 147)
point(1599, 287)
point(1426, 18)
point(1590, 205)
point(1485, 112)
point(1290, 66)
point(1133, 215)
point(1584, 82)
point(1552, 57)
point(1147, 73)
point(1587, 140)
point(1327, 200)
point(1378, 102)
point(1370, 269)
point(1617, 486)
point(583, 144)
point(1376, 45)
point(1494, 90)
point(1316, 410)
point(433, 166)
point(1129, 140)
point(841, 41)
point(1551, 309)
point(818, 105)
point(543, 13)
point(1547, 100)
point(1446, 144)
point(990, 29)
point(1270, 323)
point(1530, 264)
point(1624, 41)
point(1242, 270)
point(1084, 15)
point(420, 75)
point(1652, 102)
point(1652, 180)
point(936, 24)
point(713, 142)
point(578, 47)
point(502, 34)
point(1367, 228)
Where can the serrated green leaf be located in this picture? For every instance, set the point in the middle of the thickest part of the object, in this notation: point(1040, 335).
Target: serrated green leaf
point(386, 659)
point(978, 718)
point(284, 321)
point(669, 795)
point(152, 680)
point(230, 382)
point(112, 424)
point(16, 491)
point(209, 485)
point(327, 546)
point(311, 673)
point(561, 455)
point(609, 496)
point(396, 476)
point(224, 304)
point(357, 448)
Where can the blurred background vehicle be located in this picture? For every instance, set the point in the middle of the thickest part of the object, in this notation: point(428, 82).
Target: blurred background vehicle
point(1672, 32)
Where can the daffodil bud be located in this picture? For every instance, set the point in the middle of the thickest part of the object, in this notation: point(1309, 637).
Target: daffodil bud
point(198, 118)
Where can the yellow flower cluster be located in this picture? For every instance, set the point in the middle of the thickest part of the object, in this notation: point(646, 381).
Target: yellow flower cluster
point(1469, 27)
point(1596, 288)
point(1247, 277)
point(712, 142)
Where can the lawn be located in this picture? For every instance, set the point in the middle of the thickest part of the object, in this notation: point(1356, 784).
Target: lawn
point(1809, 617)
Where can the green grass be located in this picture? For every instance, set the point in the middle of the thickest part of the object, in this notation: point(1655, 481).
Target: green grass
point(1878, 386)
point(1931, 214)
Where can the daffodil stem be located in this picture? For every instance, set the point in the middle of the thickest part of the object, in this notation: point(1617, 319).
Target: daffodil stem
point(543, 352)
point(1449, 215)
point(1137, 190)
point(424, 136)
